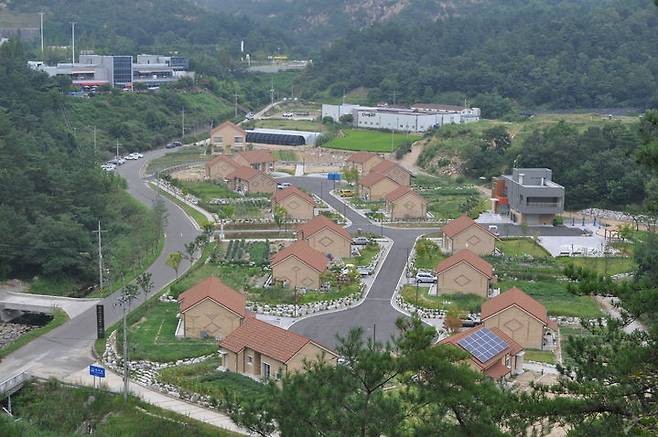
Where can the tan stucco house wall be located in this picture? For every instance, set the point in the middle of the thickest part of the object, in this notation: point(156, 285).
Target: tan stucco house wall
point(407, 207)
point(296, 207)
point(296, 273)
point(474, 238)
point(226, 138)
point(379, 190)
point(258, 184)
point(462, 278)
point(211, 317)
point(219, 169)
point(310, 352)
point(265, 167)
point(329, 242)
point(518, 324)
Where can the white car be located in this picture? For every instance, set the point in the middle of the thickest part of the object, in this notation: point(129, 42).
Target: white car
point(129, 157)
point(364, 270)
point(283, 185)
point(361, 241)
point(425, 277)
point(108, 167)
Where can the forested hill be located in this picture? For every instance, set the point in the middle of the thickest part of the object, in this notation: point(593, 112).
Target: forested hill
point(556, 54)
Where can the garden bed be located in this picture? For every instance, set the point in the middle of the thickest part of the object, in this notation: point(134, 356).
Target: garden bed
point(467, 303)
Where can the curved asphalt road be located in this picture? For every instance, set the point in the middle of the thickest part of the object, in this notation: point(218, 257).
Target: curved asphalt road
point(67, 349)
point(375, 315)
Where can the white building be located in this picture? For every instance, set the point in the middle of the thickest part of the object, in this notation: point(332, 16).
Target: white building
point(418, 118)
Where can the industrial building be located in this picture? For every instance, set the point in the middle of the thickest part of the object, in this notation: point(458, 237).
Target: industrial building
point(119, 71)
point(282, 137)
point(418, 118)
point(528, 196)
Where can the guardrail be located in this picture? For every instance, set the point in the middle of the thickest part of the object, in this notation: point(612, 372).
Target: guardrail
point(14, 383)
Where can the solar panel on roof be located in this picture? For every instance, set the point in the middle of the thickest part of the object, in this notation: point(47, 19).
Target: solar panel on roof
point(483, 345)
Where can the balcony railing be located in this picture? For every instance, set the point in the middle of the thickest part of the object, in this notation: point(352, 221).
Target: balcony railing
point(543, 204)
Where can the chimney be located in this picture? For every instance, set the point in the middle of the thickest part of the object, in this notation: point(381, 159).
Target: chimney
point(521, 176)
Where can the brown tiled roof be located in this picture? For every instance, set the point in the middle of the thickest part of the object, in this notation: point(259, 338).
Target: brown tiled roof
point(497, 371)
point(257, 156)
point(233, 125)
point(243, 172)
point(222, 158)
point(512, 346)
point(266, 339)
point(320, 222)
point(514, 296)
point(361, 157)
point(402, 191)
point(289, 191)
point(302, 251)
point(469, 257)
point(372, 178)
point(460, 224)
point(215, 289)
point(386, 165)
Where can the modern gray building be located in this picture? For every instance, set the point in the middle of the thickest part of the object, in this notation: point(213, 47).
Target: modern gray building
point(528, 196)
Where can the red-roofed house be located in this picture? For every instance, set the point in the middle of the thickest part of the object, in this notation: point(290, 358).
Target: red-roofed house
point(508, 360)
point(394, 171)
point(261, 160)
point(363, 161)
point(298, 265)
point(211, 309)
point(522, 318)
point(247, 180)
point(464, 272)
point(228, 137)
point(260, 350)
point(220, 167)
point(298, 204)
point(405, 203)
point(326, 236)
point(465, 233)
point(375, 186)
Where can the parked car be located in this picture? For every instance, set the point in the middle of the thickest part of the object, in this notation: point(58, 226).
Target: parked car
point(139, 155)
point(249, 115)
point(177, 143)
point(170, 146)
point(426, 277)
point(364, 270)
point(283, 185)
point(108, 167)
point(345, 192)
point(361, 241)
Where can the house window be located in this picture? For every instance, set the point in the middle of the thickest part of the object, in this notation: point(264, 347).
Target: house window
point(508, 361)
point(250, 360)
point(238, 140)
point(266, 371)
point(217, 140)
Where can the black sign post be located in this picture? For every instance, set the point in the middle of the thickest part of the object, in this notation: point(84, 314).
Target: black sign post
point(100, 321)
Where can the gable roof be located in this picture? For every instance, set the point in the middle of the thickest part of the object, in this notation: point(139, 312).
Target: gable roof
point(318, 223)
point(266, 339)
point(385, 166)
point(469, 257)
point(246, 173)
point(373, 178)
point(219, 158)
point(514, 296)
point(301, 250)
point(401, 191)
point(290, 191)
point(215, 289)
point(257, 156)
point(512, 348)
point(361, 157)
point(230, 124)
point(460, 224)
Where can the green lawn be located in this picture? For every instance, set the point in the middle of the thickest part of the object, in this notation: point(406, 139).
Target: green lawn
point(151, 336)
point(465, 302)
point(554, 295)
point(521, 247)
point(428, 255)
point(59, 318)
point(205, 379)
point(367, 254)
point(369, 140)
point(609, 265)
point(179, 156)
point(541, 356)
point(53, 409)
point(285, 155)
point(207, 191)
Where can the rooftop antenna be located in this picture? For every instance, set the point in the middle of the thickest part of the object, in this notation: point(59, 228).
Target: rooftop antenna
point(43, 53)
point(73, 42)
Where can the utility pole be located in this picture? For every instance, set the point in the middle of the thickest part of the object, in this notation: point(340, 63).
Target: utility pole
point(73, 42)
point(43, 52)
point(100, 254)
point(128, 294)
point(182, 124)
point(236, 104)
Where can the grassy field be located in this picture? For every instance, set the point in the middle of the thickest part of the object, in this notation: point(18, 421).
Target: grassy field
point(367, 254)
point(151, 336)
point(369, 140)
point(285, 155)
point(448, 198)
point(608, 265)
point(59, 318)
point(521, 247)
point(428, 255)
point(469, 303)
point(179, 156)
point(541, 356)
point(205, 379)
point(554, 295)
point(207, 191)
point(53, 409)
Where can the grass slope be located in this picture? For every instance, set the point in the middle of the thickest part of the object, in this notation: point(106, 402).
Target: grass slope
point(59, 318)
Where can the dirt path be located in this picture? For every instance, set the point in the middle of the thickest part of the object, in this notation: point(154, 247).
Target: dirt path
point(408, 161)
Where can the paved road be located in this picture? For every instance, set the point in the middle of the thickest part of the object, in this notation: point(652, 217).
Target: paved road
point(375, 315)
point(67, 349)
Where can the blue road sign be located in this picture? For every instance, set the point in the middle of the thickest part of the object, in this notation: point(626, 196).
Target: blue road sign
point(333, 176)
point(97, 371)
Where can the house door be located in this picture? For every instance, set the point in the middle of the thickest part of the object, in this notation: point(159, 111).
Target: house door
point(266, 371)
